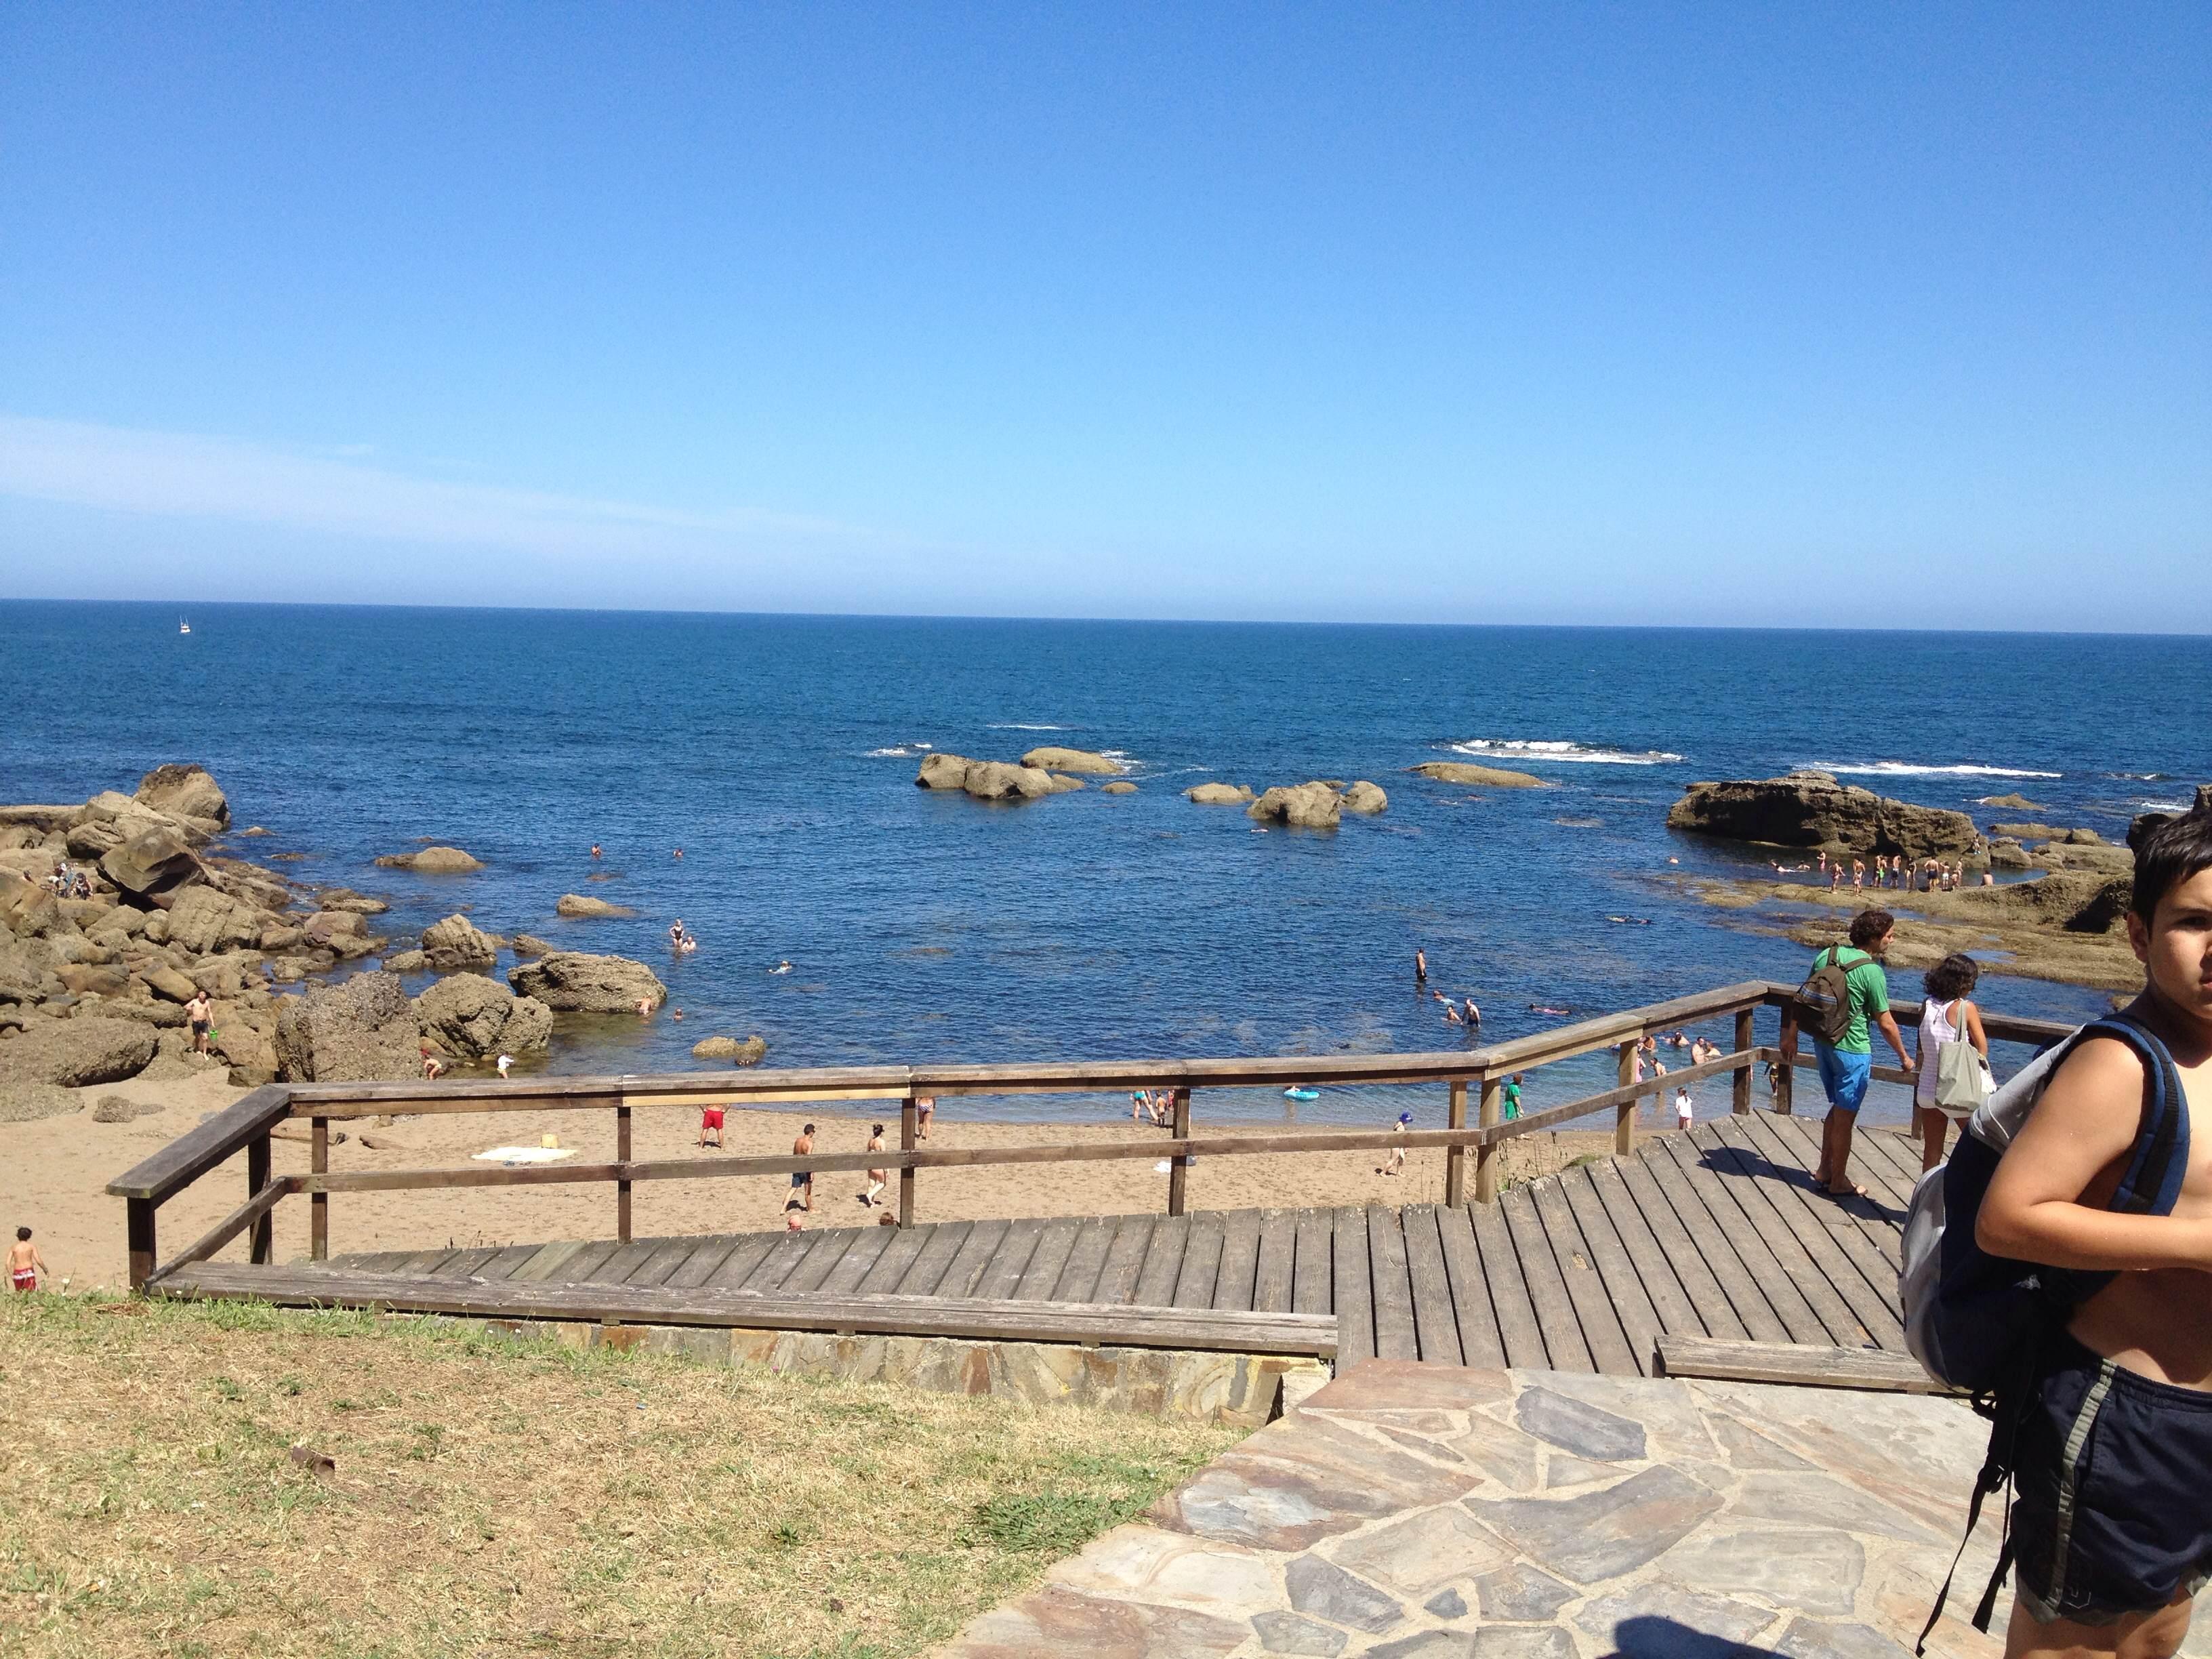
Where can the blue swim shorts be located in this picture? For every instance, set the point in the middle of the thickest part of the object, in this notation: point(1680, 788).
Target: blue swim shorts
point(1845, 1075)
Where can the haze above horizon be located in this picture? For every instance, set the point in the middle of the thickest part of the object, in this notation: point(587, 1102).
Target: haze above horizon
point(1818, 317)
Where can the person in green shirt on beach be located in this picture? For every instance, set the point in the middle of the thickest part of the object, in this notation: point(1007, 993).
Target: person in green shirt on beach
point(1512, 1094)
point(1847, 1066)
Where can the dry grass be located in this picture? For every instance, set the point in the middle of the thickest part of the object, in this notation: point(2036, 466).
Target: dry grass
point(493, 1497)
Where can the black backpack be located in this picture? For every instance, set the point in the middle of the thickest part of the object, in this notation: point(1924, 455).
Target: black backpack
point(1824, 1000)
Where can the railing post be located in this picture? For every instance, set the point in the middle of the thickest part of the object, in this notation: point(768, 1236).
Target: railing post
point(1785, 1075)
point(1741, 1102)
point(621, 1185)
point(1624, 1119)
point(261, 1239)
point(1456, 1156)
point(908, 1140)
point(1178, 1167)
point(1491, 1114)
point(138, 1220)
point(318, 1203)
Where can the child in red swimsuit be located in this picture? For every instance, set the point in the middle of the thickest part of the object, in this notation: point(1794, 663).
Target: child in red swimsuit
point(24, 1264)
point(710, 1118)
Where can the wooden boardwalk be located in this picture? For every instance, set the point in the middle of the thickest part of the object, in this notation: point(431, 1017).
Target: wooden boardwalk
point(1716, 1234)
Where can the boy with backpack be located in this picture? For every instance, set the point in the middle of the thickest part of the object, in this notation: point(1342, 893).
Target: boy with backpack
point(1843, 999)
point(2111, 1445)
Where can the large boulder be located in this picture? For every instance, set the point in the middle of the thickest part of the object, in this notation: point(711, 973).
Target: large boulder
point(472, 1017)
point(202, 920)
point(942, 771)
point(433, 860)
point(526, 945)
point(27, 1102)
point(1121, 786)
point(1073, 760)
point(457, 942)
point(742, 1051)
point(985, 779)
point(1220, 794)
point(1487, 777)
point(363, 1030)
point(185, 792)
point(584, 905)
point(571, 981)
point(1362, 796)
point(1813, 810)
point(1303, 805)
point(71, 1054)
point(152, 863)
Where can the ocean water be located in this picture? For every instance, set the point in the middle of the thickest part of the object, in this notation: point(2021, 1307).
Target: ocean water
point(779, 752)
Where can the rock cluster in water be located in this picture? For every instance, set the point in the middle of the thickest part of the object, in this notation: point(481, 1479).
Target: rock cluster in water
point(1813, 811)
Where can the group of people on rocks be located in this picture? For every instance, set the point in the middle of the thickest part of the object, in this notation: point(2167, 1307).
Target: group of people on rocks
point(1891, 871)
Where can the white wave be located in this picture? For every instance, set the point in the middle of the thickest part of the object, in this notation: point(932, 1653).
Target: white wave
point(2138, 777)
point(1907, 769)
point(2164, 805)
point(900, 753)
point(1026, 726)
point(1538, 749)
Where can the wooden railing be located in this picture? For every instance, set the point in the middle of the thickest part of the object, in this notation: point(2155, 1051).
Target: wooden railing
point(1480, 1073)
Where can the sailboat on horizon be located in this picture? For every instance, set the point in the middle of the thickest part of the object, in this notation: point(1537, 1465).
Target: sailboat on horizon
point(183, 627)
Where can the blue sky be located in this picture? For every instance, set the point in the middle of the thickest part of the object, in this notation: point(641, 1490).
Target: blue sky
point(1853, 314)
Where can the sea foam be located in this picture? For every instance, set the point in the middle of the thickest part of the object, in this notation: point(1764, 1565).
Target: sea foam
point(1908, 769)
point(1534, 750)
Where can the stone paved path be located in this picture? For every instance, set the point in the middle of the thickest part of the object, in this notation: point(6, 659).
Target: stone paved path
point(1414, 1511)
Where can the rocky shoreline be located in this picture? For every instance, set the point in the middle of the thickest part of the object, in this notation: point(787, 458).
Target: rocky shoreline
point(117, 911)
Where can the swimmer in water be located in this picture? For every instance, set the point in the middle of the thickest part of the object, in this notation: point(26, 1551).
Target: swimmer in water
point(676, 934)
point(595, 850)
point(1470, 1015)
point(783, 967)
point(1546, 1008)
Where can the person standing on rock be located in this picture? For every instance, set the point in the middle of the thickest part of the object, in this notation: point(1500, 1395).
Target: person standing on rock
point(1847, 1064)
point(201, 1012)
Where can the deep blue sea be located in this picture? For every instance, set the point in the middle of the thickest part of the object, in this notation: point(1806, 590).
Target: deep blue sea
point(779, 752)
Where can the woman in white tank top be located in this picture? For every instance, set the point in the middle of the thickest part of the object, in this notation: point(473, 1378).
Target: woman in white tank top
point(1945, 1017)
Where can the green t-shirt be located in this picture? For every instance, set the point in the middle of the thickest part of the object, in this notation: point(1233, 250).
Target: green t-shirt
point(1512, 1093)
point(1869, 997)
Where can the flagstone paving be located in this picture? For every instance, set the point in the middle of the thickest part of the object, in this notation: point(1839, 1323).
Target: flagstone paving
point(1412, 1511)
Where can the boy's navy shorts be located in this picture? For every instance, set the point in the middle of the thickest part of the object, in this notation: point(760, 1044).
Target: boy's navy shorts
point(2113, 1506)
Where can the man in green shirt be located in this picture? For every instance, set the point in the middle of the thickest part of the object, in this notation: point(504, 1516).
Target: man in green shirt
point(1847, 1068)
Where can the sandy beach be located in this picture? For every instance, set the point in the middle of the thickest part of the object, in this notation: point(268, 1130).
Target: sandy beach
point(54, 1178)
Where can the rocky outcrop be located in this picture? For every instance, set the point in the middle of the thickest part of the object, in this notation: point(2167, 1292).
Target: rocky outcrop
point(582, 905)
point(2144, 823)
point(1051, 759)
point(985, 779)
point(73, 1053)
point(471, 1017)
point(2017, 803)
point(362, 1031)
point(1123, 786)
point(1812, 809)
point(185, 792)
point(1363, 797)
point(744, 1051)
point(1061, 785)
point(457, 942)
point(153, 863)
point(27, 1102)
point(1492, 777)
point(1302, 806)
point(433, 861)
point(202, 920)
point(571, 981)
point(407, 962)
point(1218, 795)
point(526, 945)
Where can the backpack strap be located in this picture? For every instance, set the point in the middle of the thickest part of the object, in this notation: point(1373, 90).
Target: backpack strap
point(2151, 1182)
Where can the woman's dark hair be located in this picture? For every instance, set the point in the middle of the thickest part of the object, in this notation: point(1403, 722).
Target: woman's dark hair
point(1952, 977)
point(2178, 849)
point(1869, 926)
point(878, 1129)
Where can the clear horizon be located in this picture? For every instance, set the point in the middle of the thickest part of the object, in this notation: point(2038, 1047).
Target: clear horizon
point(1260, 314)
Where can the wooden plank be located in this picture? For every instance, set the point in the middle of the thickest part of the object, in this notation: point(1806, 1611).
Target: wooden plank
point(506, 1261)
point(940, 1245)
point(1803, 1248)
point(704, 1262)
point(1632, 1303)
point(585, 1261)
point(1125, 1260)
point(1481, 1345)
point(621, 1263)
point(972, 1258)
point(737, 1266)
point(426, 1262)
point(887, 1269)
point(1156, 1280)
point(1011, 1259)
point(257, 1205)
point(1079, 1274)
point(1031, 1322)
point(1564, 1344)
point(1240, 1259)
point(1701, 1253)
point(1201, 1261)
point(205, 1146)
point(1355, 1297)
point(463, 1264)
point(1050, 1256)
point(1435, 1324)
point(1603, 1329)
point(1519, 1330)
point(782, 1259)
point(831, 1250)
point(1743, 1241)
point(1797, 1364)
point(857, 1262)
point(1684, 1293)
point(1391, 1287)
point(1854, 1268)
point(1313, 1265)
point(1277, 1254)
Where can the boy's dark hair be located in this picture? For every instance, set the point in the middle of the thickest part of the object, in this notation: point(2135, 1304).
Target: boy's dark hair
point(1953, 976)
point(22, 1234)
point(1868, 925)
point(2178, 849)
